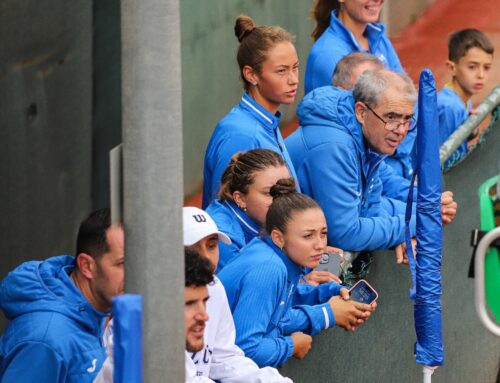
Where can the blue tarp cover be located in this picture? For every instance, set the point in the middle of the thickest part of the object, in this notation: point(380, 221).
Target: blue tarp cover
point(426, 269)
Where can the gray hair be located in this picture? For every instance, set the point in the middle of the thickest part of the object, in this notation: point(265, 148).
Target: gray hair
point(345, 67)
point(371, 84)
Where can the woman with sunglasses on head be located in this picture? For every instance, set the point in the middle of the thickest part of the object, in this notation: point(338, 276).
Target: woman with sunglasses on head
point(273, 318)
point(244, 199)
point(345, 26)
point(269, 69)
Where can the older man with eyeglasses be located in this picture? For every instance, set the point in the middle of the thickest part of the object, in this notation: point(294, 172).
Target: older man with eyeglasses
point(338, 153)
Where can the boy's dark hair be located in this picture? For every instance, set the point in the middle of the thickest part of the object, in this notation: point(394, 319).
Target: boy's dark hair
point(198, 270)
point(461, 41)
point(91, 237)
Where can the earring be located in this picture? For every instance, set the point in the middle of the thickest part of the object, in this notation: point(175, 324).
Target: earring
point(254, 84)
point(244, 209)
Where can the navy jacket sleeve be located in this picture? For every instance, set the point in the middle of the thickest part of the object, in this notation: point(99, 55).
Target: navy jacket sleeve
point(258, 313)
point(334, 169)
point(33, 362)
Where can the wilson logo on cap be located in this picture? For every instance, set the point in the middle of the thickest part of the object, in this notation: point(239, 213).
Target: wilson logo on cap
point(200, 218)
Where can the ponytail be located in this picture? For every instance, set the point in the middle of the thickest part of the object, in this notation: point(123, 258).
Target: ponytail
point(321, 13)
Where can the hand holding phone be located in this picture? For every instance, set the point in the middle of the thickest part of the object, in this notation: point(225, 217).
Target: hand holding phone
point(363, 292)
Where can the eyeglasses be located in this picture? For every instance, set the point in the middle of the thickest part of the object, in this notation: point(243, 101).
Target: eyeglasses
point(391, 125)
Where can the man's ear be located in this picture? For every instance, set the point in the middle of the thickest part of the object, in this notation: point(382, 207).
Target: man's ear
point(359, 111)
point(250, 75)
point(86, 265)
point(451, 67)
point(278, 238)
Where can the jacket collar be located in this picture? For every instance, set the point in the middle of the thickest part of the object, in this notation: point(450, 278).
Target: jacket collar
point(266, 118)
point(294, 271)
point(250, 228)
point(373, 33)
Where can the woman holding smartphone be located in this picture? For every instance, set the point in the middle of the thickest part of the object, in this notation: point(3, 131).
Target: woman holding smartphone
point(244, 199)
point(274, 319)
point(269, 69)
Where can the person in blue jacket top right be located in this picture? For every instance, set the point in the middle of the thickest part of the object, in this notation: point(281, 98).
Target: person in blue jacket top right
point(57, 308)
point(338, 150)
point(470, 56)
point(274, 319)
point(345, 26)
point(269, 69)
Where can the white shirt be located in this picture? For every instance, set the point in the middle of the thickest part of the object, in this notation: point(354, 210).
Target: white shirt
point(221, 359)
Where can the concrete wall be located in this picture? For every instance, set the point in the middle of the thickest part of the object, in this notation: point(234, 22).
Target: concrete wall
point(45, 127)
point(45, 133)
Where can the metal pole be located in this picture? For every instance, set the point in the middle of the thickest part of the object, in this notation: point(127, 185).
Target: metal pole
point(153, 186)
point(460, 135)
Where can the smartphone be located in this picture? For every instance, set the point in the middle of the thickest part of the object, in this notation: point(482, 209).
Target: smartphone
point(363, 292)
point(330, 262)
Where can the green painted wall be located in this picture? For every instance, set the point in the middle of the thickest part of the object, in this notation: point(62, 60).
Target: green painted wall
point(210, 74)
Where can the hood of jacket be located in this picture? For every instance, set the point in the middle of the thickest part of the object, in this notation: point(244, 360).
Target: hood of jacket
point(47, 286)
point(331, 108)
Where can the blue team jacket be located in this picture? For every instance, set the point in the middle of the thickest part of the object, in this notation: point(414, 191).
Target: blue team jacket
point(335, 43)
point(261, 286)
point(238, 226)
point(452, 113)
point(336, 169)
point(247, 126)
point(54, 334)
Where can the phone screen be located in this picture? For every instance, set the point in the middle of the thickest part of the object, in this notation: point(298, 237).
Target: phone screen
point(363, 292)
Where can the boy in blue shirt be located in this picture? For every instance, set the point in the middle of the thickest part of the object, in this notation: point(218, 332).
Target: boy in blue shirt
point(470, 55)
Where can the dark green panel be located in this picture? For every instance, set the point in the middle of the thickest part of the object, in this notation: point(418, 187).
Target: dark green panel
point(382, 349)
point(210, 74)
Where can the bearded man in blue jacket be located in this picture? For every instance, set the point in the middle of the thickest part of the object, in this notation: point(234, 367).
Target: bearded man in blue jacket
point(338, 151)
point(57, 308)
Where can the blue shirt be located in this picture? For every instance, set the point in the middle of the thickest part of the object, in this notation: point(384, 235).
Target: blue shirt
point(267, 306)
point(247, 126)
point(236, 224)
point(54, 335)
point(338, 171)
point(335, 43)
point(452, 113)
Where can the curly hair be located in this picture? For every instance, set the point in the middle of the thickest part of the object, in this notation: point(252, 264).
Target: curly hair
point(198, 270)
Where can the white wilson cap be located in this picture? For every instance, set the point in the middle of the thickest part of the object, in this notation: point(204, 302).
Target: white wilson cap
point(197, 224)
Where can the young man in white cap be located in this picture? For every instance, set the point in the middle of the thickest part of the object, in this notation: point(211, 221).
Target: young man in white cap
point(220, 359)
